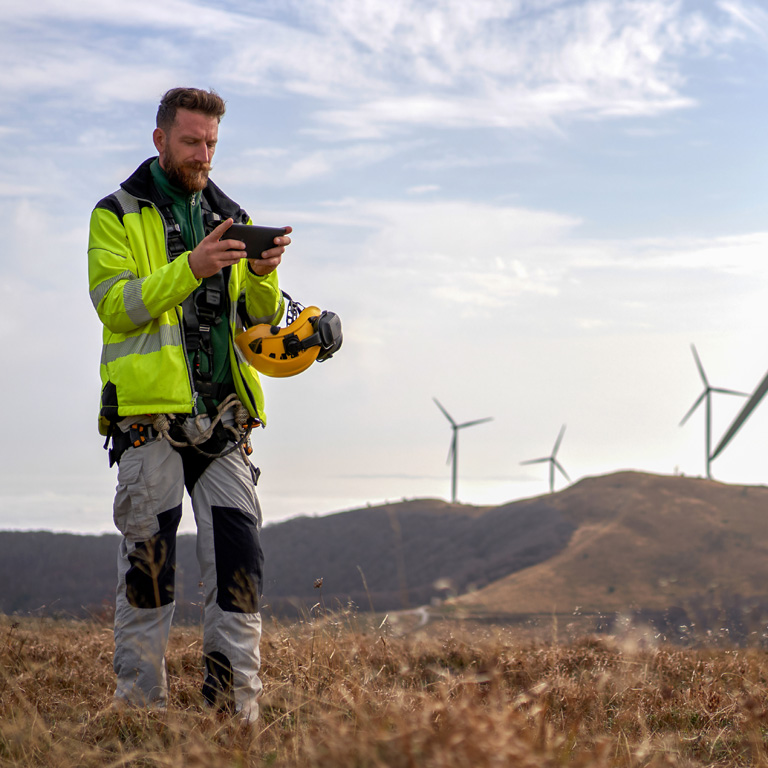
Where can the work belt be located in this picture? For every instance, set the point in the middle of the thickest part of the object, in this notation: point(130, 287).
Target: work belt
point(141, 434)
point(136, 436)
point(194, 463)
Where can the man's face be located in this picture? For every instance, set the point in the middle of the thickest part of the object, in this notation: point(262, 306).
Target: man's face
point(187, 148)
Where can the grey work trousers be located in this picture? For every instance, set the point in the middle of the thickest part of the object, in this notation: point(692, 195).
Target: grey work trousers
point(147, 512)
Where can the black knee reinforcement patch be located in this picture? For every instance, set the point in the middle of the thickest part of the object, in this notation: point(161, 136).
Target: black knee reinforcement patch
point(239, 560)
point(151, 579)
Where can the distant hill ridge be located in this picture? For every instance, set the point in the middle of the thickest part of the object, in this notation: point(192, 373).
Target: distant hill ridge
point(619, 542)
point(645, 542)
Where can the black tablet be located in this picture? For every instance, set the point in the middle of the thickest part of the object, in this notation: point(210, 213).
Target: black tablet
point(257, 239)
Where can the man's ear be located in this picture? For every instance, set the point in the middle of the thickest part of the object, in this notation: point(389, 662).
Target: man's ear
point(159, 139)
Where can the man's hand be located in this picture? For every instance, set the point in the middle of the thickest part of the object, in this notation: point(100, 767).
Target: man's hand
point(270, 260)
point(215, 251)
point(212, 253)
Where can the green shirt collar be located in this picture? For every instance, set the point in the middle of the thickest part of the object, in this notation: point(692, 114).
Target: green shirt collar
point(178, 196)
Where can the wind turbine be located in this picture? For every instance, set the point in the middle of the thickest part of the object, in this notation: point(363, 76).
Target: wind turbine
point(706, 396)
point(553, 462)
point(453, 452)
point(744, 414)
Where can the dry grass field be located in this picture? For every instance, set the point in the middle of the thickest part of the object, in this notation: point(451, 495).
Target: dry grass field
point(342, 692)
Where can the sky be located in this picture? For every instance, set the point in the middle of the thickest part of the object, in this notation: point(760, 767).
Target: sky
point(527, 210)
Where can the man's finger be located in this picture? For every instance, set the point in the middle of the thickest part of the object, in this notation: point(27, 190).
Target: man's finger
point(217, 233)
point(234, 245)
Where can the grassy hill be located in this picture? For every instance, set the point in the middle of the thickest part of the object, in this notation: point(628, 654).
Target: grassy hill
point(644, 542)
point(407, 554)
point(621, 543)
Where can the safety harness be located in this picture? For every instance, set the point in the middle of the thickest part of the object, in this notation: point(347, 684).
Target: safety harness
point(201, 311)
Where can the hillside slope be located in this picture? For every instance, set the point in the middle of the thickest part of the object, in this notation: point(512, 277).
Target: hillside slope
point(405, 554)
point(644, 542)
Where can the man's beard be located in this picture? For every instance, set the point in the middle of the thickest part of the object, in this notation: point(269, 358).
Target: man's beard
point(191, 177)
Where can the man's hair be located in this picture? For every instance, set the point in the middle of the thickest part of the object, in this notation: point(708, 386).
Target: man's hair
point(193, 99)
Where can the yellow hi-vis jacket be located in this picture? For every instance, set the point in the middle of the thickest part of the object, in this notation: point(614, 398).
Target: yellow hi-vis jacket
point(137, 292)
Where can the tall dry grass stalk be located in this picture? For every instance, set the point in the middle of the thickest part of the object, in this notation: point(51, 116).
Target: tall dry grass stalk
point(341, 692)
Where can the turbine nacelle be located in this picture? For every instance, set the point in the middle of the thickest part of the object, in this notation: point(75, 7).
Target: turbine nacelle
point(552, 461)
point(706, 397)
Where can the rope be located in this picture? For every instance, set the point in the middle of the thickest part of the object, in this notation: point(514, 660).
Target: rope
point(241, 432)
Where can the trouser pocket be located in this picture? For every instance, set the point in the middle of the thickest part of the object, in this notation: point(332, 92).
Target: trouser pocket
point(149, 483)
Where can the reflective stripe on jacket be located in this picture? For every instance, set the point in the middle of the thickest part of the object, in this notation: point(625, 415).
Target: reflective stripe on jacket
point(137, 293)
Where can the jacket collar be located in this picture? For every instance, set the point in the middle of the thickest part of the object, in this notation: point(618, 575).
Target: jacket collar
point(140, 185)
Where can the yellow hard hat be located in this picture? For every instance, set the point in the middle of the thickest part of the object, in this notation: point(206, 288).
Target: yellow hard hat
point(275, 351)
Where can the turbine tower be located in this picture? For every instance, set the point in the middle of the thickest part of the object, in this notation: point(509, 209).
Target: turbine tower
point(706, 397)
point(553, 462)
point(453, 451)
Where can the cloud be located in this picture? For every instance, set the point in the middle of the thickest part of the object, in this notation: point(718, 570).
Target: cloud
point(93, 76)
point(170, 16)
point(94, 53)
point(11, 188)
point(379, 69)
point(750, 16)
point(423, 189)
point(376, 69)
point(468, 262)
point(294, 167)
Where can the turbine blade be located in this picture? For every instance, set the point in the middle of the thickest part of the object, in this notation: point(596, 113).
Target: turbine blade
point(562, 471)
point(700, 366)
point(472, 423)
point(445, 413)
point(558, 441)
point(730, 392)
point(744, 414)
point(693, 407)
point(535, 461)
point(452, 449)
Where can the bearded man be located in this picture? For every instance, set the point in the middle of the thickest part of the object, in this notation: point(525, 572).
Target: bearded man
point(177, 397)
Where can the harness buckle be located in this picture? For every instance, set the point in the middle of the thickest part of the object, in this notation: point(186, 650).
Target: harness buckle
point(140, 434)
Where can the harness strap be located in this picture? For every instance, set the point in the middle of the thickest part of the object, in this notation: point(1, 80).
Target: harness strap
point(203, 308)
point(173, 238)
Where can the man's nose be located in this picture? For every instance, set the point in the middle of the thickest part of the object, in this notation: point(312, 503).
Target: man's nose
point(203, 154)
